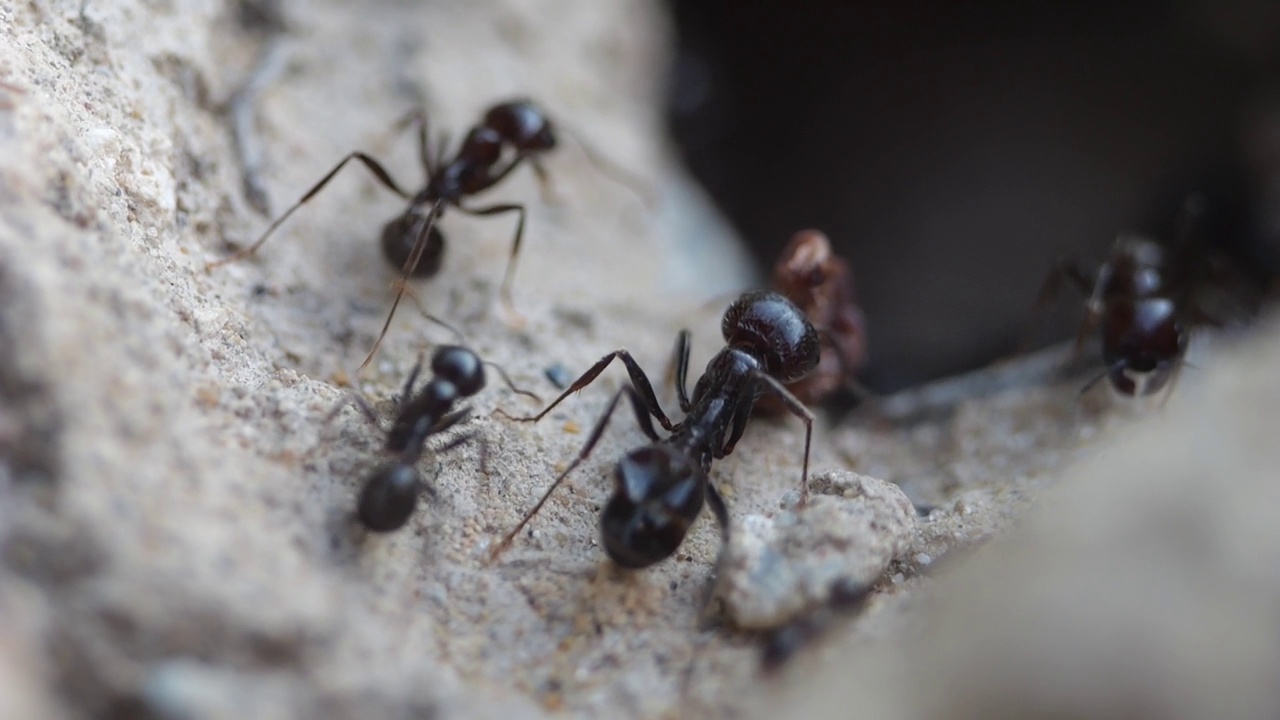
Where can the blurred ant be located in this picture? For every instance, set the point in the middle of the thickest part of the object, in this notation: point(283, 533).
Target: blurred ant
point(390, 492)
point(1143, 302)
point(820, 283)
point(510, 133)
point(659, 489)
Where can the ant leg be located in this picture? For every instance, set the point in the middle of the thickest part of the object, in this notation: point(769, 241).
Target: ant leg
point(642, 413)
point(422, 230)
point(422, 310)
point(355, 398)
point(741, 414)
point(545, 185)
point(596, 433)
point(407, 390)
point(484, 449)
point(1064, 268)
point(798, 409)
point(361, 404)
point(426, 486)
point(509, 275)
point(721, 511)
point(419, 117)
point(639, 381)
point(682, 370)
point(449, 420)
point(1089, 323)
point(373, 166)
point(455, 443)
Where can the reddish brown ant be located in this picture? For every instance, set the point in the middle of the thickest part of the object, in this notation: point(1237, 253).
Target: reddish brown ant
point(509, 134)
point(1142, 300)
point(659, 489)
point(820, 283)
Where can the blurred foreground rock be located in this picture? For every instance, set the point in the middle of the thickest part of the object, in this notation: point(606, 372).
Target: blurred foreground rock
point(1146, 584)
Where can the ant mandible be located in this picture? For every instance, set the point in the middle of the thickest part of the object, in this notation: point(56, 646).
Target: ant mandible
point(390, 492)
point(659, 489)
point(509, 134)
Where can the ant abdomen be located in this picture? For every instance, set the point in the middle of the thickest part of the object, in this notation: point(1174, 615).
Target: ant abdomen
point(658, 495)
point(774, 330)
point(398, 239)
point(389, 497)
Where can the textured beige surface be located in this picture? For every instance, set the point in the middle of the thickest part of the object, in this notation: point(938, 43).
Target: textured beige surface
point(1145, 584)
point(174, 512)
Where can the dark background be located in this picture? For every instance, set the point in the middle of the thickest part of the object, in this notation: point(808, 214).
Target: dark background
point(954, 153)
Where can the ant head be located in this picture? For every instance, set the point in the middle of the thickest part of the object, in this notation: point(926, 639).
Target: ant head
point(658, 495)
point(401, 234)
point(1142, 336)
point(389, 497)
point(523, 124)
point(461, 367)
point(775, 331)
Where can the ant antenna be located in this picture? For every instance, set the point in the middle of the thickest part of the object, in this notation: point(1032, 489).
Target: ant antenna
point(514, 388)
point(633, 182)
point(462, 340)
point(457, 334)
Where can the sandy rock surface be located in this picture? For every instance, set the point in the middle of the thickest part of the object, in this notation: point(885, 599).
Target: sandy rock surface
point(176, 487)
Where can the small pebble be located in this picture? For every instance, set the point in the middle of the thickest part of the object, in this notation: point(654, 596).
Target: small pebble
point(777, 567)
point(558, 375)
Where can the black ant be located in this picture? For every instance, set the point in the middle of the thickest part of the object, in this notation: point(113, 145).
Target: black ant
point(509, 134)
point(660, 488)
point(1141, 300)
point(391, 491)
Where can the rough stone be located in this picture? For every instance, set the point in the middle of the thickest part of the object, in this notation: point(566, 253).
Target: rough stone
point(776, 567)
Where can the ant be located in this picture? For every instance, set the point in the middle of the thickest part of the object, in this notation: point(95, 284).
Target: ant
point(391, 491)
point(509, 134)
point(659, 489)
point(1142, 302)
point(820, 283)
